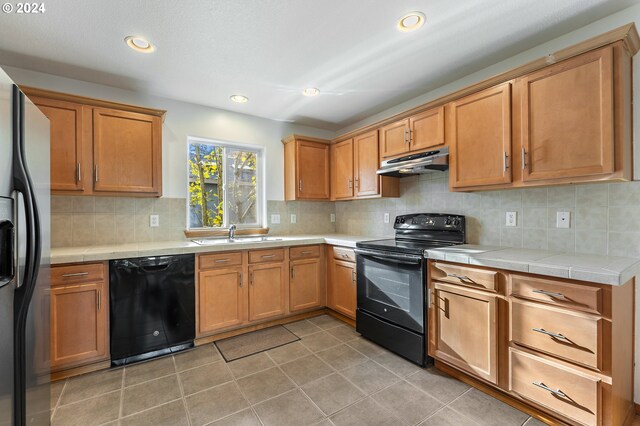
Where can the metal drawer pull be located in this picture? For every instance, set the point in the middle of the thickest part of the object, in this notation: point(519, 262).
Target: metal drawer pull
point(222, 260)
point(556, 392)
point(240, 279)
point(77, 274)
point(268, 256)
point(96, 173)
point(548, 333)
point(524, 158)
point(79, 176)
point(307, 252)
point(550, 294)
point(460, 277)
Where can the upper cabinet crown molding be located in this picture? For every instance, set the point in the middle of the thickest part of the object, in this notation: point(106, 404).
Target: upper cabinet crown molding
point(83, 100)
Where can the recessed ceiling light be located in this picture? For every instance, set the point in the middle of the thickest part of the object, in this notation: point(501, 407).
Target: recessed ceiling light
point(311, 91)
point(411, 21)
point(139, 44)
point(239, 99)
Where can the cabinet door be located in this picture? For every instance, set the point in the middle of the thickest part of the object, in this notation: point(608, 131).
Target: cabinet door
point(342, 169)
point(267, 291)
point(79, 315)
point(305, 285)
point(127, 152)
point(427, 129)
point(65, 119)
point(394, 138)
point(312, 170)
point(221, 299)
point(481, 138)
point(567, 118)
point(466, 329)
point(343, 288)
point(367, 182)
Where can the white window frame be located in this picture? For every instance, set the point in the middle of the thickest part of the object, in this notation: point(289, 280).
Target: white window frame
point(261, 206)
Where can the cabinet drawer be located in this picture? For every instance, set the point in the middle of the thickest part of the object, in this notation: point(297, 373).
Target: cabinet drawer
point(481, 279)
point(574, 296)
point(343, 253)
point(270, 255)
point(568, 392)
point(573, 336)
point(71, 274)
point(304, 252)
point(220, 260)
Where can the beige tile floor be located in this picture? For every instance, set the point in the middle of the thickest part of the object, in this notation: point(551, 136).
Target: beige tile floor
point(330, 377)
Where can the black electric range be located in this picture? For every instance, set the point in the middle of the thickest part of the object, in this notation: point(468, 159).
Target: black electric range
point(392, 281)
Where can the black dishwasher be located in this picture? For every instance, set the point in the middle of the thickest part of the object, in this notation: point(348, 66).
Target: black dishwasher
point(152, 303)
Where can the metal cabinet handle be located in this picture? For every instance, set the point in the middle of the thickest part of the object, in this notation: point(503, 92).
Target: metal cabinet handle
point(251, 279)
point(550, 294)
point(293, 273)
point(77, 274)
point(268, 256)
point(410, 136)
point(353, 276)
point(524, 158)
point(460, 277)
point(505, 166)
point(99, 299)
point(79, 174)
point(346, 256)
point(349, 184)
point(556, 392)
point(222, 260)
point(95, 171)
point(300, 185)
point(548, 333)
point(240, 279)
point(357, 184)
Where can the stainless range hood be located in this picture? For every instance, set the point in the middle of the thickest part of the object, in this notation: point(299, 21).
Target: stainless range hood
point(416, 164)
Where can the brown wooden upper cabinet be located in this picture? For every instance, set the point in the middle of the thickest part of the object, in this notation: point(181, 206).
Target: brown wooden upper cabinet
point(126, 152)
point(480, 138)
point(419, 132)
point(101, 147)
point(354, 163)
point(568, 118)
point(306, 168)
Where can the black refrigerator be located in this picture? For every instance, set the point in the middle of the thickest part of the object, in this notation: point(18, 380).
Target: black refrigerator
point(24, 259)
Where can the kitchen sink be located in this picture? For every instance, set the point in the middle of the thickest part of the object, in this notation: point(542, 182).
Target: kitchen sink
point(216, 241)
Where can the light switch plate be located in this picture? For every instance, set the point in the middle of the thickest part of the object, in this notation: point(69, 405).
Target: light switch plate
point(275, 218)
point(294, 218)
point(386, 218)
point(511, 219)
point(332, 217)
point(563, 220)
point(154, 220)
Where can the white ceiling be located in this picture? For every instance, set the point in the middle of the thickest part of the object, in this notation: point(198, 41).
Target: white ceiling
point(269, 50)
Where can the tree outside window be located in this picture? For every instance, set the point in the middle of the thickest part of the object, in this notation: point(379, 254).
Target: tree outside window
point(223, 185)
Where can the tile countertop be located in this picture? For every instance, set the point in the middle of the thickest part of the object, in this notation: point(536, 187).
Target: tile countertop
point(121, 251)
point(584, 267)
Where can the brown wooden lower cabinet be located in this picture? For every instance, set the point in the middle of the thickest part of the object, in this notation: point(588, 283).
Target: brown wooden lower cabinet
point(267, 291)
point(561, 348)
point(305, 285)
point(79, 315)
point(341, 281)
point(222, 298)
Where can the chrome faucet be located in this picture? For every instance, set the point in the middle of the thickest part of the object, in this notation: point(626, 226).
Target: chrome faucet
point(232, 232)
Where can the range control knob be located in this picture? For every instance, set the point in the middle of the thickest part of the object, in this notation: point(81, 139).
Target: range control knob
point(447, 221)
point(402, 220)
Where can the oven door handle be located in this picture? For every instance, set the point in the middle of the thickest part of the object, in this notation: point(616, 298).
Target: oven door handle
point(400, 258)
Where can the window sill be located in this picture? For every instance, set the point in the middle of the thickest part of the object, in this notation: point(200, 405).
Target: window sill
point(203, 233)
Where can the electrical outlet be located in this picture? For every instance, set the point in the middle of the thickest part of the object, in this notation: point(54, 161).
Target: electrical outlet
point(332, 217)
point(275, 218)
point(294, 218)
point(512, 219)
point(563, 220)
point(154, 220)
point(386, 218)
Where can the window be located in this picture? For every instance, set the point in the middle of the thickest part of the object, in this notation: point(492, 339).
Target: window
point(225, 185)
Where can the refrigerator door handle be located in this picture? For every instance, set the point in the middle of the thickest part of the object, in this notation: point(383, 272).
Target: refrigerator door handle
point(22, 183)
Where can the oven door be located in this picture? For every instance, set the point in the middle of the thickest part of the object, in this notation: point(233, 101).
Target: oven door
point(392, 286)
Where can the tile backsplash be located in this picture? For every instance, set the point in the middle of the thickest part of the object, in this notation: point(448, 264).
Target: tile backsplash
point(605, 217)
point(90, 221)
